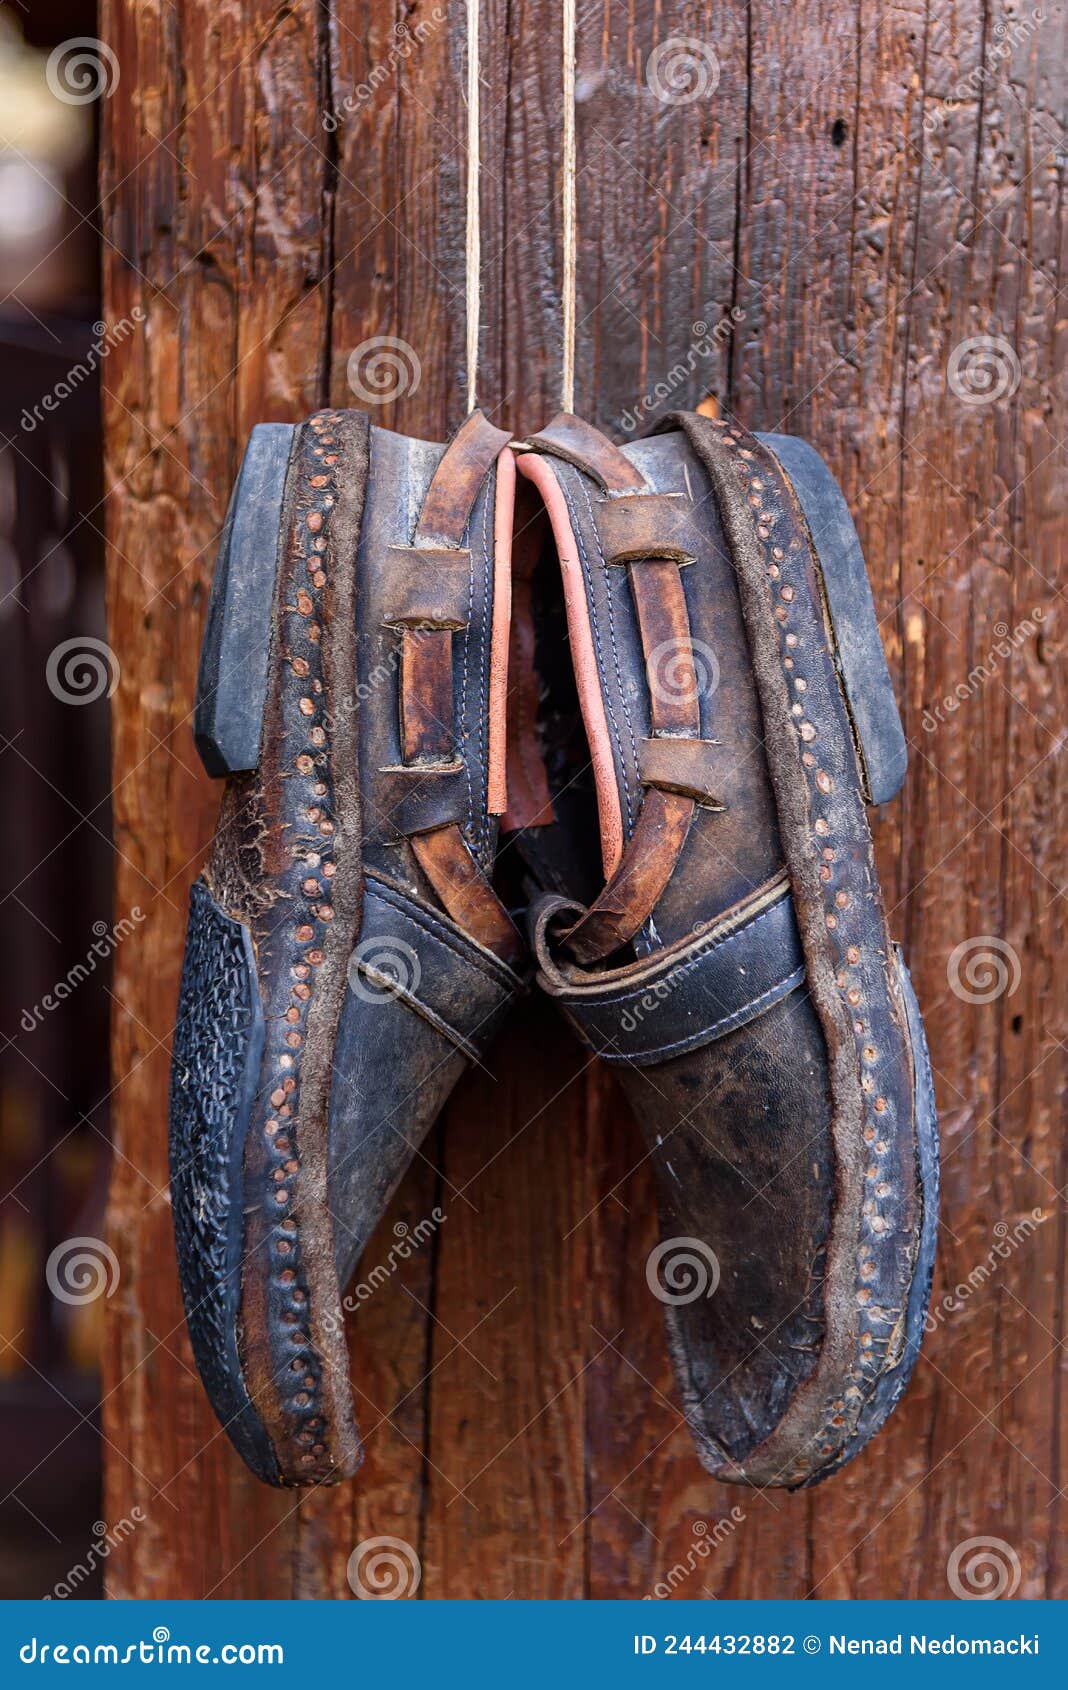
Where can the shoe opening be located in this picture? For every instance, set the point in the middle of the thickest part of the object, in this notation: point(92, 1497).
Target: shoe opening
point(552, 816)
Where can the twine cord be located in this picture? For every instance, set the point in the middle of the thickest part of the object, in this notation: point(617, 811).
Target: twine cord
point(570, 234)
point(473, 261)
point(473, 252)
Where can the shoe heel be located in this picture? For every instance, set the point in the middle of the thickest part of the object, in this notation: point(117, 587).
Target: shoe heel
point(232, 680)
point(861, 660)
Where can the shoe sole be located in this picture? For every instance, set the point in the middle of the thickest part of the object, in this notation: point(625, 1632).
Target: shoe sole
point(272, 925)
point(819, 622)
point(869, 696)
point(892, 1384)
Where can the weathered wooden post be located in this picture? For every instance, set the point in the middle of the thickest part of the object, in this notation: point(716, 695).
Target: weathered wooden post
point(818, 197)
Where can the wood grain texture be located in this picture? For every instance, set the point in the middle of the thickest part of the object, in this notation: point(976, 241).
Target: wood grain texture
point(865, 187)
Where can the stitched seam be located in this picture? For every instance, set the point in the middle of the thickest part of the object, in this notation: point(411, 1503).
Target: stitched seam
point(419, 927)
point(434, 1015)
point(602, 663)
point(426, 1012)
point(610, 597)
point(483, 714)
point(713, 948)
point(726, 1024)
point(462, 738)
point(418, 918)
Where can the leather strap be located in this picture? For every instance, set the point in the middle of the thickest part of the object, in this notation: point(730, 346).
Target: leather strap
point(646, 525)
point(667, 645)
point(581, 444)
point(456, 876)
point(418, 798)
point(428, 604)
point(675, 764)
point(426, 699)
point(688, 996)
point(462, 468)
point(429, 588)
point(644, 870)
point(645, 531)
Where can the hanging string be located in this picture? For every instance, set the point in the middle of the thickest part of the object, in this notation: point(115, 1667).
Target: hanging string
point(473, 259)
point(473, 272)
point(570, 236)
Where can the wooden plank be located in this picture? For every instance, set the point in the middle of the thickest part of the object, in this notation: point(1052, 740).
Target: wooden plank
point(861, 228)
point(212, 228)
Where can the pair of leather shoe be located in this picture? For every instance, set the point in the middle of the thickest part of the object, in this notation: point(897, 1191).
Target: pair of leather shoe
point(656, 671)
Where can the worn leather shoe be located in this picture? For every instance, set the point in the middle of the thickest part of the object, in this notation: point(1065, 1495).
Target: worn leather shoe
point(346, 953)
point(734, 965)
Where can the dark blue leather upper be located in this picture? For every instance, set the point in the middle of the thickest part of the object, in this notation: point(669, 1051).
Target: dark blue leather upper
point(689, 994)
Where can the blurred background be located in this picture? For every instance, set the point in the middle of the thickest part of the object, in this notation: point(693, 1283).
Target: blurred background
point(55, 810)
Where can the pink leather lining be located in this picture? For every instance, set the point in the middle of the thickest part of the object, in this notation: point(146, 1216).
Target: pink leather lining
point(503, 522)
point(591, 702)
